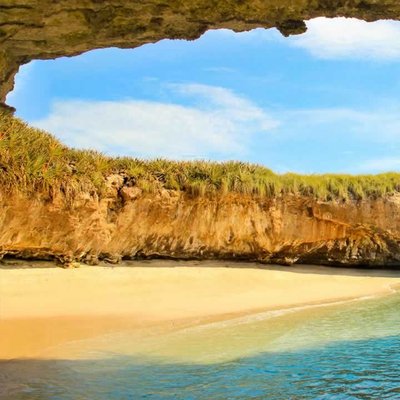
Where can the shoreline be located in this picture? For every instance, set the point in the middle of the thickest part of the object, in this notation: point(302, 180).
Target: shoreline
point(7, 263)
point(43, 308)
point(17, 262)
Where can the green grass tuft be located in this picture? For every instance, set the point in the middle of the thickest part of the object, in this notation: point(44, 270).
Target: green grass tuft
point(34, 161)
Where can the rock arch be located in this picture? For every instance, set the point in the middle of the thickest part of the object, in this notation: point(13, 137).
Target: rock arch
point(47, 29)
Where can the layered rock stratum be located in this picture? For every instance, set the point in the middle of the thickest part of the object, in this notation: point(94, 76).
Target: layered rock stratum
point(47, 29)
point(72, 206)
point(130, 224)
point(127, 222)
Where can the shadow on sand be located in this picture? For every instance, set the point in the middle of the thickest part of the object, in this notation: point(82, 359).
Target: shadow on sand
point(10, 263)
point(357, 369)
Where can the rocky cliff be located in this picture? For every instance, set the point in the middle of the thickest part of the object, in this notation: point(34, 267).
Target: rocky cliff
point(127, 224)
point(46, 29)
point(73, 205)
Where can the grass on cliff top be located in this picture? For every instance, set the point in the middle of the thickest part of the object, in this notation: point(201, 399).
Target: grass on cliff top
point(34, 161)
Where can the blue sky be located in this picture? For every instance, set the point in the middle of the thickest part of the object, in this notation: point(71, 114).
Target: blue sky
point(325, 101)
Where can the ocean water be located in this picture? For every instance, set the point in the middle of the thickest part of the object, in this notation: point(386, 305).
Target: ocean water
point(345, 351)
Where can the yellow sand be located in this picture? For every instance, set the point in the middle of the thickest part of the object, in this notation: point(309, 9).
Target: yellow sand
point(42, 307)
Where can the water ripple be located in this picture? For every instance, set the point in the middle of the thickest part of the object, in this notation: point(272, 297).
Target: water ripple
point(353, 367)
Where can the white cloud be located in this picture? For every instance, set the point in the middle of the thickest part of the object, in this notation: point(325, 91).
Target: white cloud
point(380, 125)
point(380, 165)
point(219, 124)
point(351, 140)
point(335, 38)
point(350, 38)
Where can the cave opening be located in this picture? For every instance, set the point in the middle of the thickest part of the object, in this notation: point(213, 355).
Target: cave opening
point(324, 101)
point(320, 109)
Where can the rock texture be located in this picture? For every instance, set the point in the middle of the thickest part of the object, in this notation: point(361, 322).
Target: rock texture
point(129, 224)
point(126, 222)
point(46, 29)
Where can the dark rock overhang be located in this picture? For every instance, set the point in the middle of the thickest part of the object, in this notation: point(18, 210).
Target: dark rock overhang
point(47, 29)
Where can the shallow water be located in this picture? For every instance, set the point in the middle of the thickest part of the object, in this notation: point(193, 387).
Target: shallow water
point(347, 351)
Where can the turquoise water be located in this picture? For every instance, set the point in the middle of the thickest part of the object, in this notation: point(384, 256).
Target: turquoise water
point(349, 351)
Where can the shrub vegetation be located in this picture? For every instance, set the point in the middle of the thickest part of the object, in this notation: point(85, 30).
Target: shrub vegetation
point(32, 160)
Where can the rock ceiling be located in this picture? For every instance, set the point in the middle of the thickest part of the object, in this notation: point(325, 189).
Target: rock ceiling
point(47, 29)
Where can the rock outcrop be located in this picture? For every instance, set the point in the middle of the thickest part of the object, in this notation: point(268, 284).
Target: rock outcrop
point(129, 224)
point(45, 29)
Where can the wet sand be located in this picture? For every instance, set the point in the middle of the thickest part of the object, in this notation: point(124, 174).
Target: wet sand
point(45, 307)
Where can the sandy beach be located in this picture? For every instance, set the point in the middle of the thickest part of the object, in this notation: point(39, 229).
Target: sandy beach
point(44, 307)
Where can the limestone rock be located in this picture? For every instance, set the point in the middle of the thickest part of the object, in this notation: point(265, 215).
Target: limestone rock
point(47, 29)
point(282, 229)
point(130, 193)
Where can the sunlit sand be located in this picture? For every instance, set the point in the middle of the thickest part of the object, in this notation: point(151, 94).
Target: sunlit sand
point(47, 311)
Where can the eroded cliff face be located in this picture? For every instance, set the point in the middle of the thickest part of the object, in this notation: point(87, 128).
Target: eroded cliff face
point(45, 29)
point(129, 224)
